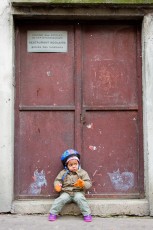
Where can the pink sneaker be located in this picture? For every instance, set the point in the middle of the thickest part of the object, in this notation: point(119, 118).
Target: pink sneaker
point(87, 218)
point(52, 217)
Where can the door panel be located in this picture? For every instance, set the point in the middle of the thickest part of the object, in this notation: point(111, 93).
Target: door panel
point(45, 112)
point(88, 98)
point(41, 138)
point(111, 109)
point(46, 78)
point(109, 67)
point(111, 143)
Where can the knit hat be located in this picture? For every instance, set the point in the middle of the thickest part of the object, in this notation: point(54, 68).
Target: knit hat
point(72, 158)
point(69, 153)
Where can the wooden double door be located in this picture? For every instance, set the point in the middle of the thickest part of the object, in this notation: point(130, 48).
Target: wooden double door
point(87, 98)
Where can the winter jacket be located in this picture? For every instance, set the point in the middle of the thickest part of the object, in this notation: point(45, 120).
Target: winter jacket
point(70, 179)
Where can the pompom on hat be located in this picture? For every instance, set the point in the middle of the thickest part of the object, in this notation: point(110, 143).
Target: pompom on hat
point(69, 154)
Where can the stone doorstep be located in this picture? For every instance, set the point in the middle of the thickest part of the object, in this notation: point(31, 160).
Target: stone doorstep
point(38, 2)
point(103, 208)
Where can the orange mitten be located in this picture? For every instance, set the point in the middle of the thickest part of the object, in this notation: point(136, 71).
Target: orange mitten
point(79, 183)
point(58, 187)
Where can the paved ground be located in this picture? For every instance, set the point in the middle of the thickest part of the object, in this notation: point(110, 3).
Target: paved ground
point(40, 222)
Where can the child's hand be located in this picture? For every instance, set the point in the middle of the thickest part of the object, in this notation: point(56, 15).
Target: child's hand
point(58, 187)
point(79, 183)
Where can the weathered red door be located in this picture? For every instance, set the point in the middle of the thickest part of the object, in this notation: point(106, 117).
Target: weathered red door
point(88, 98)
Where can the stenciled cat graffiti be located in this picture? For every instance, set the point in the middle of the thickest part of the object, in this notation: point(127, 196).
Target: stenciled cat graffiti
point(39, 182)
point(122, 181)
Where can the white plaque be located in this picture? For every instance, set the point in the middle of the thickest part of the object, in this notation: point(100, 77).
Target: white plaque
point(46, 41)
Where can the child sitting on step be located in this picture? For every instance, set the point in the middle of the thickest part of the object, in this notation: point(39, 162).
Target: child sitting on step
point(71, 182)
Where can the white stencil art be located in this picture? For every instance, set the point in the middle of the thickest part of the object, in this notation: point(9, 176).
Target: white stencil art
point(122, 181)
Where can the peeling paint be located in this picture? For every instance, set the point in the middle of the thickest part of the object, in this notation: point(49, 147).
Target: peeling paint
point(93, 148)
point(61, 90)
point(90, 126)
point(49, 74)
point(100, 132)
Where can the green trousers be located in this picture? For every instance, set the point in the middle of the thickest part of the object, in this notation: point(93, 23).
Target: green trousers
point(65, 198)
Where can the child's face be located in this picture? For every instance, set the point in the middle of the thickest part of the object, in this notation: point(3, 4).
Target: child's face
point(73, 165)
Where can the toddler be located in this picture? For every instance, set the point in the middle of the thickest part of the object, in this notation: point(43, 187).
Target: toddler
point(71, 182)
